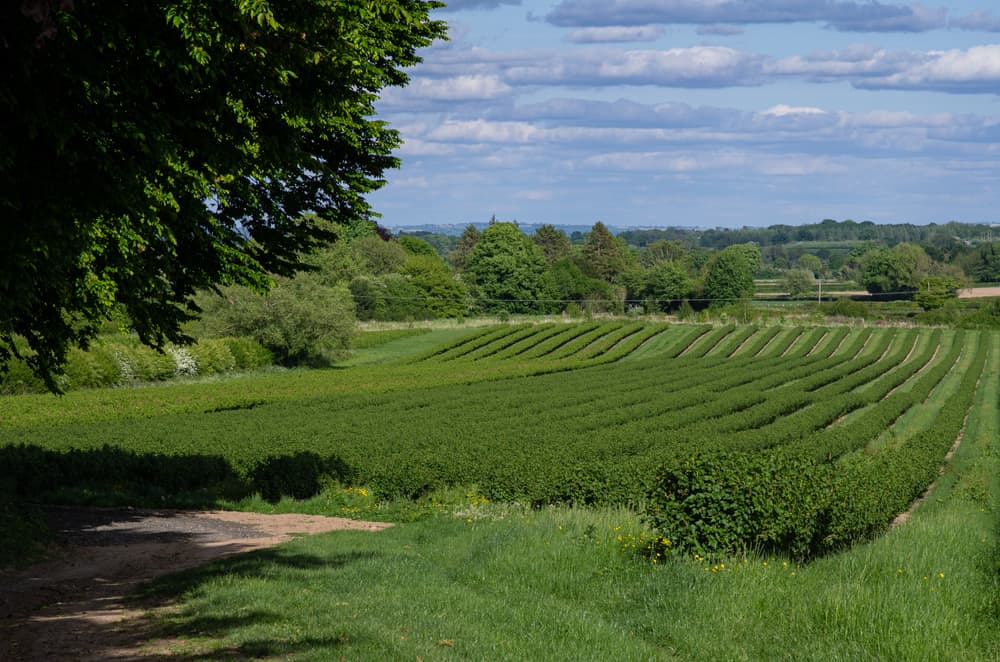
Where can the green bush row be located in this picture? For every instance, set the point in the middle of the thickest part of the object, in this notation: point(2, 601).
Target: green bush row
point(125, 362)
point(784, 499)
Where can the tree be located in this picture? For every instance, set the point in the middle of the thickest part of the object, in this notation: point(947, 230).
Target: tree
point(416, 246)
point(603, 256)
point(443, 296)
point(509, 271)
point(798, 281)
point(665, 250)
point(554, 243)
point(666, 285)
point(377, 256)
point(152, 149)
point(300, 321)
point(985, 263)
point(731, 272)
point(934, 292)
point(466, 242)
point(811, 263)
point(574, 286)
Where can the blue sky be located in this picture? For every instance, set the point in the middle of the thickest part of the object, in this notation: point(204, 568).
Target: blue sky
point(706, 113)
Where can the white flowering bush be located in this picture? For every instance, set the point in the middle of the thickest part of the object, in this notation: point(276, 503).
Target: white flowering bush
point(126, 366)
point(185, 364)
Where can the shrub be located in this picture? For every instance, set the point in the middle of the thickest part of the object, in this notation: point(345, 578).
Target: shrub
point(721, 504)
point(301, 321)
point(185, 364)
point(212, 356)
point(247, 353)
point(846, 307)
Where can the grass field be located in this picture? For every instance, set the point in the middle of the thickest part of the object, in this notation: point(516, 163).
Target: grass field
point(530, 463)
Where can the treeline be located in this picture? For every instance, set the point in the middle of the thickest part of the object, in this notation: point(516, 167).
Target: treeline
point(370, 275)
point(972, 248)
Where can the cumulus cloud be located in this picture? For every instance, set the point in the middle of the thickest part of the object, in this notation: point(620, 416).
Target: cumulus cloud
point(699, 66)
point(460, 88)
point(843, 15)
point(781, 110)
point(615, 34)
point(976, 70)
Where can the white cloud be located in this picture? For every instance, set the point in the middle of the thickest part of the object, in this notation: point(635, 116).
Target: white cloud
point(484, 131)
point(976, 70)
point(460, 88)
point(781, 110)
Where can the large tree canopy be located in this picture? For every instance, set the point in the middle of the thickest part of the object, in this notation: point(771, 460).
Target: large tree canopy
point(731, 272)
point(150, 149)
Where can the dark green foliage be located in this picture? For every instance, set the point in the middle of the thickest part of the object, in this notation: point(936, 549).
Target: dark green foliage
point(797, 282)
point(555, 244)
point(571, 284)
point(792, 501)
point(718, 504)
point(31, 472)
point(300, 475)
point(666, 285)
point(152, 150)
point(986, 317)
point(984, 264)
point(416, 246)
point(730, 274)
point(933, 292)
point(248, 354)
point(443, 295)
point(300, 321)
point(888, 272)
point(509, 272)
point(377, 256)
point(470, 237)
point(604, 256)
point(845, 307)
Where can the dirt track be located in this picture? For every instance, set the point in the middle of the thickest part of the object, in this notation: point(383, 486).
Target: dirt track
point(72, 607)
point(979, 292)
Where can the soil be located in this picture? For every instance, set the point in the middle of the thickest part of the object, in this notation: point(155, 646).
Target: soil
point(979, 292)
point(73, 606)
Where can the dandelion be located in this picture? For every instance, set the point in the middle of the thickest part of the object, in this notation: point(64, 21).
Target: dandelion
point(940, 575)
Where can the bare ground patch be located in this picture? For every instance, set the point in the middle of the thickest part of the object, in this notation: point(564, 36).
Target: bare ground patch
point(73, 606)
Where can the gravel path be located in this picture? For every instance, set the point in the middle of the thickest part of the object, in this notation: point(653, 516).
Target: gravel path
point(72, 607)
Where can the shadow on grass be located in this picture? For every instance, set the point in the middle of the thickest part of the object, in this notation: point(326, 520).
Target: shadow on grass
point(70, 626)
point(205, 633)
